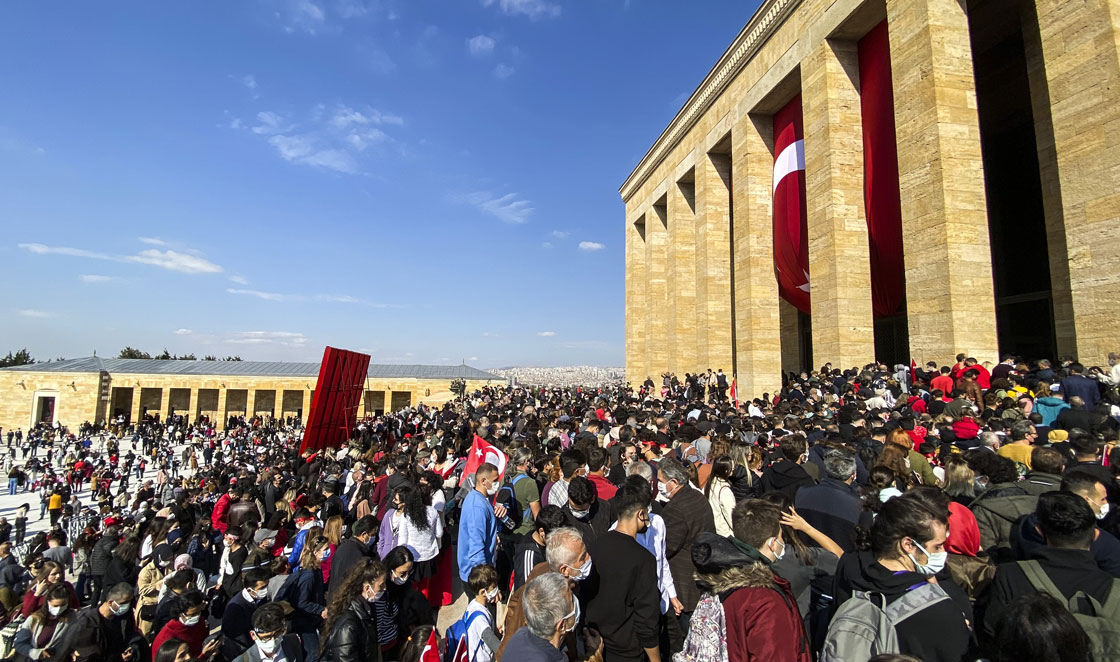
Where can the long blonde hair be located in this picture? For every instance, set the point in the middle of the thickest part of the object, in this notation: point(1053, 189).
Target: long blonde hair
point(333, 529)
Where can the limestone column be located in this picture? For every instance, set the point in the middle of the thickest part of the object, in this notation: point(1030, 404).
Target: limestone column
point(839, 265)
point(658, 341)
point(306, 406)
point(164, 402)
point(192, 407)
point(1073, 58)
point(221, 416)
point(682, 282)
point(137, 396)
point(949, 292)
point(713, 262)
point(758, 344)
point(637, 310)
point(388, 406)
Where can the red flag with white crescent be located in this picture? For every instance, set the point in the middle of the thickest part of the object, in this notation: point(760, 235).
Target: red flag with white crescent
point(482, 451)
point(431, 649)
point(791, 236)
point(461, 651)
point(735, 392)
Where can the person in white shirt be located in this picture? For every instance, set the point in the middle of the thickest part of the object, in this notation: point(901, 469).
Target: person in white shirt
point(482, 639)
point(653, 539)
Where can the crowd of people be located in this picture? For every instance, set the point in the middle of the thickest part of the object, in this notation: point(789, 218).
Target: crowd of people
point(933, 513)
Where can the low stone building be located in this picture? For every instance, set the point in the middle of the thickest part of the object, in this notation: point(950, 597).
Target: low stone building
point(93, 389)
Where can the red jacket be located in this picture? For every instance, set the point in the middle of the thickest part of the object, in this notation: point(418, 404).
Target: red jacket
point(219, 517)
point(193, 635)
point(604, 489)
point(763, 622)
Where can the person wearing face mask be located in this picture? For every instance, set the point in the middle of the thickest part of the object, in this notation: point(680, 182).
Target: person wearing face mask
point(551, 614)
point(762, 618)
point(352, 550)
point(622, 597)
point(482, 640)
point(106, 626)
point(304, 590)
point(238, 616)
point(1062, 568)
point(403, 607)
point(907, 551)
point(45, 628)
point(585, 511)
point(270, 638)
point(350, 633)
point(687, 515)
point(188, 624)
point(478, 522)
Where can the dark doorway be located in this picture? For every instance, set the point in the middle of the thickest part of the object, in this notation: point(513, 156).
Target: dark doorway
point(1016, 225)
point(892, 339)
point(45, 410)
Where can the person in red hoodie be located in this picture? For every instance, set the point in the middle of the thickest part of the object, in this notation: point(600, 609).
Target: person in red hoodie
point(188, 625)
point(762, 618)
point(220, 517)
point(598, 464)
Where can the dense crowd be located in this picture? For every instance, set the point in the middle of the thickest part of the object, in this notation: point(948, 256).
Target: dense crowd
point(888, 513)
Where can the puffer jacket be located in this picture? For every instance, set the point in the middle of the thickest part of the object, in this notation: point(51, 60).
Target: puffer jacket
point(744, 486)
point(101, 555)
point(762, 618)
point(353, 638)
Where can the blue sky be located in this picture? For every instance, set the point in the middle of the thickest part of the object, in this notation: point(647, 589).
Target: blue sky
point(426, 181)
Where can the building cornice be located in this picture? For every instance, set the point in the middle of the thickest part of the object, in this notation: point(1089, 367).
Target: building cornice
point(770, 15)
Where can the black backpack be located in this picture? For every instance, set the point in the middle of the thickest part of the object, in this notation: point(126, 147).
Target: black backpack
point(508, 498)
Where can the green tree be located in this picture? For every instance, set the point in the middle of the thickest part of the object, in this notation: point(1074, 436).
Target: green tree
point(131, 353)
point(186, 357)
point(22, 357)
point(165, 356)
point(232, 358)
point(209, 357)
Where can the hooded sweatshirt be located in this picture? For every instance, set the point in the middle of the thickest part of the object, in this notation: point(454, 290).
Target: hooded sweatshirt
point(938, 633)
point(786, 477)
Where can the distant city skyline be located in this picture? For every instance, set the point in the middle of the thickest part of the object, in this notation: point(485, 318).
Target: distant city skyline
point(424, 181)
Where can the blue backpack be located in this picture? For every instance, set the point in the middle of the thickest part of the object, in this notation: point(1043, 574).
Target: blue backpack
point(457, 634)
point(513, 508)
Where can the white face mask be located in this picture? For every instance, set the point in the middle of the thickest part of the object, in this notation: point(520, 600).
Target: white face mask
point(493, 489)
point(492, 594)
point(56, 611)
point(934, 564)
point(574, 612)
point(778, 556)
point(584, 570)
point(190, 620)
point(399, 581)
point(268, 648)
point(1104, 511)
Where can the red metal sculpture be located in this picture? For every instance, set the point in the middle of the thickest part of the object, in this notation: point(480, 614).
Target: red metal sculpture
point(334, 405)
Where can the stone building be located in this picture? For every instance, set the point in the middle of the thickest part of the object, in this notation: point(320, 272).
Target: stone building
point(856, 179)
point(92, 389)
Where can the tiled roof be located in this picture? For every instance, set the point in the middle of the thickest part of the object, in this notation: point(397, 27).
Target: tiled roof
point(248, 368)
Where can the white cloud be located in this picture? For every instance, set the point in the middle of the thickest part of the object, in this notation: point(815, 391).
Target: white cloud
point(329, 139)
point(559, 234)
point(503, 71)
point(534, 9)
point(175, 261)
point(96, 278)
point(488, 334)
point(250, 83)
point(240, 280)
point(509, 208)
point(188, 263)
point(302, 16)
point(546, 334)
point(546, 244)
point(183, 332)
point(380, 62)
point(481, 45)
point(31, 312)
point(586, 344)
point(472, 358)
point(153, 241)
point(590, 246)
point(267, 296)
point(285, 338)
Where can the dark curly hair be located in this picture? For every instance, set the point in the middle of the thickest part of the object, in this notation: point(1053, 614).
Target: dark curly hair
point(412, 505)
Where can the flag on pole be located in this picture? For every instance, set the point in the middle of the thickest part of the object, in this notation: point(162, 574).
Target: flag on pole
point(461, 651)
point(481, 451)
point(431, 649)
point(735, 391)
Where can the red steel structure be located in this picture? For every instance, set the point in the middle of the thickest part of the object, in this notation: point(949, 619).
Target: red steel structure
point(334, 406)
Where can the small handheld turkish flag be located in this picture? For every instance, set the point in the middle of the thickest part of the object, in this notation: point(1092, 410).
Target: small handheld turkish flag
point(431, 649)
point(481, 451)
point(735, 392)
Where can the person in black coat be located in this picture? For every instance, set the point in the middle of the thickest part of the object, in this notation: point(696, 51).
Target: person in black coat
point(107, 628)
point(351, 628)
point(833, 507)
point(123, 567)
point(1068, 525)
point(268, 633)
point(238, 615)
point(351, 551)
point(787, 475)
point(590, 516)
point(686, 515)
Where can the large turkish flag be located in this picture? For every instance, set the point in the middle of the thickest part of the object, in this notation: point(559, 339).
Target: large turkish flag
point(791, 237)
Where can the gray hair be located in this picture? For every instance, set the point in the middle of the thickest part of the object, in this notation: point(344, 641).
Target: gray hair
point(672, 470)
point(1020, 430)
point(521, 455)
point(990, 439)
point(839, 465)
point(546, 602)
point(561, 545)
point(640, 468)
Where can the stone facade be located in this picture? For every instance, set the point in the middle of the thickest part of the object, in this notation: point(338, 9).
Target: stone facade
point(91, 396)
point(700, 285)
